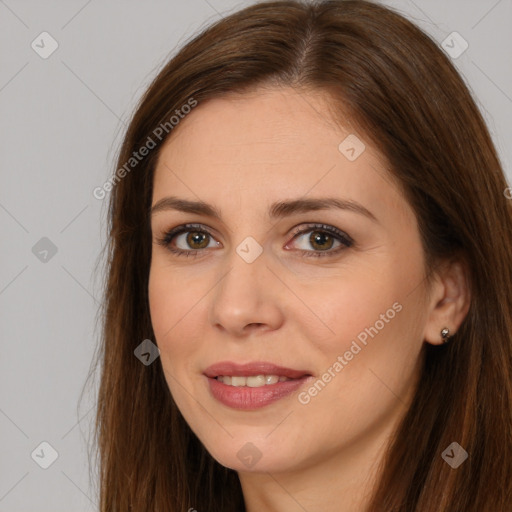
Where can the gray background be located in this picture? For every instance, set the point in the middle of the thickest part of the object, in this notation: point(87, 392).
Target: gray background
point(61, 121)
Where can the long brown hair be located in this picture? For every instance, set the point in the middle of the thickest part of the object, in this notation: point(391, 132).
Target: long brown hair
point(404, 95)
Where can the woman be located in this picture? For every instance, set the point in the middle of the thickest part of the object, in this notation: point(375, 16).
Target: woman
point(310, 221)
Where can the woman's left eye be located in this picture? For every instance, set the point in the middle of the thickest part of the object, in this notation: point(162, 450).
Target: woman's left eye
point(322, 237)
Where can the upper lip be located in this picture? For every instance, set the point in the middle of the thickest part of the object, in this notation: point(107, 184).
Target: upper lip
point(251, 369)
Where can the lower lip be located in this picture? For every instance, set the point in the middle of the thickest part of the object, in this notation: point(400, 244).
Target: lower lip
point(244, 397)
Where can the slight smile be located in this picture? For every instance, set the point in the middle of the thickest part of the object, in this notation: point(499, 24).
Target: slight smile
point(252, 385)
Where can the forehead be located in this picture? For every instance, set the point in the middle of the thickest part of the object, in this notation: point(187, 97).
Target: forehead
point(270, 145)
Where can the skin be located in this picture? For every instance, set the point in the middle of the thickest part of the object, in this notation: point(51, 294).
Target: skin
point(241, 153)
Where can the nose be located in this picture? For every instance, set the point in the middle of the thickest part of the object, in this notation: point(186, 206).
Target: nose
point(248, 298)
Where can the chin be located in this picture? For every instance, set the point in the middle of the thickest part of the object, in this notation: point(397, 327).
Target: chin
point(253, 463)
point(256, 456)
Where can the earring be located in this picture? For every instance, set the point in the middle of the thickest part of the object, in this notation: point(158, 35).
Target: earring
point(445, 334)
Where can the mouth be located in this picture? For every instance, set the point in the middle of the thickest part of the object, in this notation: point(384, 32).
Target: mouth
point(252, 385)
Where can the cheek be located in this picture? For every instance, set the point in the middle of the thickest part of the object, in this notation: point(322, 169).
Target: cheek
point(370, 359)
point(365, 333)
point(162, 300)
point(372, 315)
point(171, 296)
point(346, 305)
point(172, 301)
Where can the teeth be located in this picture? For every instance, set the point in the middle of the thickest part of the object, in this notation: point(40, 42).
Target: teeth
point(237, 381)
point(254, 381)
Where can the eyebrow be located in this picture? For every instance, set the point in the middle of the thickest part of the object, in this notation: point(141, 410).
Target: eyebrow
point(277, 210)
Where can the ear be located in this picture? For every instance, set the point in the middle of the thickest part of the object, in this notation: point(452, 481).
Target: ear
point(448, 302)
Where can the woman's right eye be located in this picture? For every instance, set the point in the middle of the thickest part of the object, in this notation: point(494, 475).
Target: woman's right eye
point(190, 235)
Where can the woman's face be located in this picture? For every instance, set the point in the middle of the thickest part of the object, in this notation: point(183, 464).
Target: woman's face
point(338, 311)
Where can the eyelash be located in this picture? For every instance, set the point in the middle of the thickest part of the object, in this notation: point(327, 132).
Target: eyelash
point(345, 240)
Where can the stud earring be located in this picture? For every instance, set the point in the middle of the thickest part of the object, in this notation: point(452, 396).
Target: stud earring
point(445, 334)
